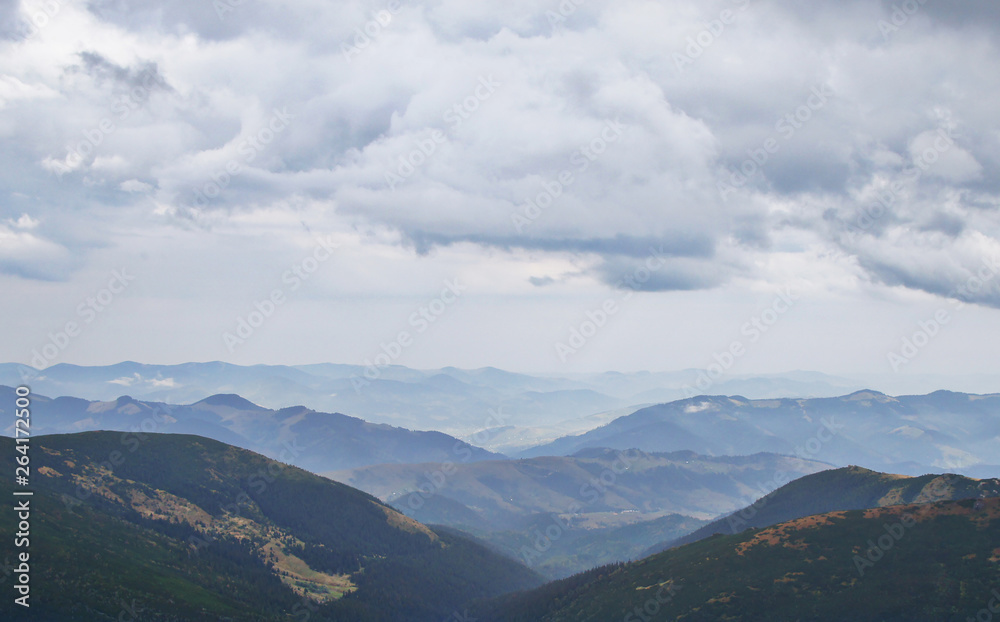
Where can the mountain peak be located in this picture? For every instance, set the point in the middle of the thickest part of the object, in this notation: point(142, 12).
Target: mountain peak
point(229, 400)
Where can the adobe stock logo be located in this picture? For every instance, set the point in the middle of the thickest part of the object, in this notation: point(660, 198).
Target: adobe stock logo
point(293, 278)
point(986, 614)
point(249, 148)
point(88, 311)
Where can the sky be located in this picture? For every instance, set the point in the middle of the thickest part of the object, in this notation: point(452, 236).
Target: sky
point(584, 185)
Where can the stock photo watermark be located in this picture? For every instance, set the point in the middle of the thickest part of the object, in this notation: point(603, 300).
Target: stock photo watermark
point(589, 494)
point(130, 442)
point(249, 148)
point(927, 330)
point(649, 610)
point(785, 129)
point(895, 532)
point(87, 311)
point(899, 17)
point(426, 147)
point(809, 450)
point(754, 329)
point(258, 483)
point(564, 11)
point(986, 613)
point(293, 278)
point(420, 320)
point(436, 480)
point(95, 136)
point(597, 318)
point(581, 160)
point(887, 196)
point(370, 31)
point(707, 37)
point(37, 19)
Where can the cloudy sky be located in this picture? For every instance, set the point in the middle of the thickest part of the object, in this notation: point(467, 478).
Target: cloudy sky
point(539, 186)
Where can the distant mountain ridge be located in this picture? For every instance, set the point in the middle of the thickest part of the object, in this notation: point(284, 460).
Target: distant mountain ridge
point(297, 435)
point(500, 493)
point(453, 400)
point(942, 431)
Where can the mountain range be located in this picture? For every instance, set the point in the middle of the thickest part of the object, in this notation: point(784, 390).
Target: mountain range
point(942, 431)
point(452, 400)
point(596, 507)
point(296, 435)
point(183, 528)
point(934, 561)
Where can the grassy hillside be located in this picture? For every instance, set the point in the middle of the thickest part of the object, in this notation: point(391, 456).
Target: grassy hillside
point(563, 515)
point(191, 529)
point(850, 488)
point(556, 552)
point(599, 487)
point(935, 562)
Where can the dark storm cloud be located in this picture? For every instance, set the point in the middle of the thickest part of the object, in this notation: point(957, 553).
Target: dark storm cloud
point(617, 246)
point(225, 19)
point(960, 14)
point(10, 19)
point(655, 275)
point(144, 75)
point(976, 284)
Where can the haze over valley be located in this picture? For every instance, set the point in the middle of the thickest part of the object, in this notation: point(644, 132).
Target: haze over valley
point(535, 311)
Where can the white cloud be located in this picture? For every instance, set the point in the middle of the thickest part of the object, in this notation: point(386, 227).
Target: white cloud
point(23, 222)
point(90, 140)
point(134, 185)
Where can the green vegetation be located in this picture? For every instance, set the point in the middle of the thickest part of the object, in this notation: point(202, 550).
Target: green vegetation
point(937, 563)
point(568, 514)
point(557, 552)
point(849, 488)
point(185, 528)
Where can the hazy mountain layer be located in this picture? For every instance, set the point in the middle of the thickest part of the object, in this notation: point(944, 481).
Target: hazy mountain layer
point(939, 432)
point(452, 400)
point(297, 435)
point(567, 514)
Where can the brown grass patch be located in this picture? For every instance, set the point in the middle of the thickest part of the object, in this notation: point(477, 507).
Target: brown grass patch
point(165, 506)
point(401, 521)
point(305, 581)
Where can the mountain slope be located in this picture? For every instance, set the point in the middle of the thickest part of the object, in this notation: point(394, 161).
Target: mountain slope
point(566, 514)
point(191, 529)
point(929, 563)
point(312, 440)
point(595, 485)
point(547, 544)
point(909, 434)
point(849, 488)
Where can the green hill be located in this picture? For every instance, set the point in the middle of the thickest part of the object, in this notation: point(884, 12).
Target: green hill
point(556, 550)
point(849, 488)
point(563, 515)
point(936, 562)
point(186, 528)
